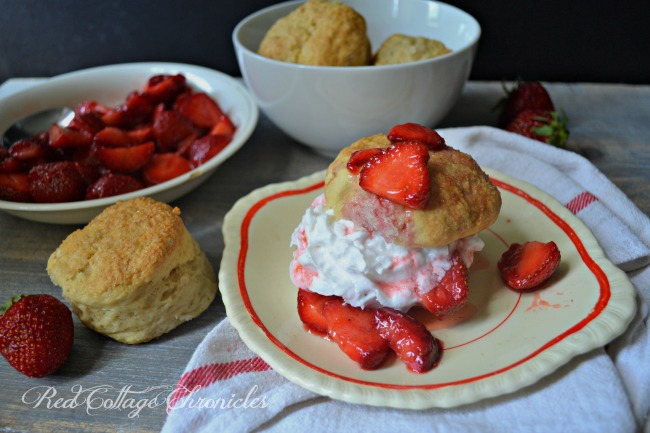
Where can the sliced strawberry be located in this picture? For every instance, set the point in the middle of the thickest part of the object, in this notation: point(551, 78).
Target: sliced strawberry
point(14, 187)
point(415, 132)
point(452, 290)
point(182, 97)
point(400, 174)
point(126, 159)
point(201, 110)
point(66, 138)
point(113, 184)
point(353, 329)
point(135, 110)
point(169, 129)
point(359, 158)
point(205, 148)
point(9, 164)
point(310, 310)
point(91, 107)
point(88, 122)
point(164, 88)
point(164, 167)
point(89, 172)
point(113, 137)
point(183, 148)
point(224, 127)
point(88, 156)
point(409, 339)
point(141, 134)
point(31, 151)
point(159, 108)
point(528, 265)
point(56, 182)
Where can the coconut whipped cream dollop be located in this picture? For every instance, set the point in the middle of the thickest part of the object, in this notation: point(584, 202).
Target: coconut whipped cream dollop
point(336, 257)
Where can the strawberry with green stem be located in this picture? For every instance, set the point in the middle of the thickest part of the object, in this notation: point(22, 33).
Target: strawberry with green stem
point(36, 334)
point(524, 95)
point(546, 126)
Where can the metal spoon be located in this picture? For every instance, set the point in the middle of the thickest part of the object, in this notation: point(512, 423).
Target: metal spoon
point(36, 123)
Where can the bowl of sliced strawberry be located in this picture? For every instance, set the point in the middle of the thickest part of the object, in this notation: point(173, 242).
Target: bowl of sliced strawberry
point(139, 129)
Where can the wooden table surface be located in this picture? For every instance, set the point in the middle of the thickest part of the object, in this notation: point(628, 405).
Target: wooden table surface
point(609, 125)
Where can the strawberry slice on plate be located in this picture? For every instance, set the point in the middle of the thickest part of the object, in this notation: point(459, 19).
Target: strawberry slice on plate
point(416, 132)
point(526, 266)
point(451, 292)
point(310, 310)
point(410, 340)
point(400, 174)
point(164, 167)
point(353, 329)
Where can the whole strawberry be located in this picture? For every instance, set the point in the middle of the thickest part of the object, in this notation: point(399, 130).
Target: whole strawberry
point(545, 126)
point(36, 334)
point(530, 95)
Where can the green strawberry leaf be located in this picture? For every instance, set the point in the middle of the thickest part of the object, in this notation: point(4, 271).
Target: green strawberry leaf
point(7, 305)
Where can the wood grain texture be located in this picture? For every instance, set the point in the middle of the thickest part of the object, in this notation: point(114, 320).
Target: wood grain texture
point(608, 124)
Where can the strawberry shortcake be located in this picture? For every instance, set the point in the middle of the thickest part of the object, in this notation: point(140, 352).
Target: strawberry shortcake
point(395, 228)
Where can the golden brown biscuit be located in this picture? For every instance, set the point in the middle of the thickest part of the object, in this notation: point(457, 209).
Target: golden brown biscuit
point(319, 33)
point(399, 48)
point(462, 202)
point(134, 272)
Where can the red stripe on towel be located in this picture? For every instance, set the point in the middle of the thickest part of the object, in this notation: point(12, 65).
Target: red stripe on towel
point(205, 375)
point(581, 201)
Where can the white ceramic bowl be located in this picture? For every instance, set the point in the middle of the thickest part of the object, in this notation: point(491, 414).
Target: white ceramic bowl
point(110, 85)
point(328, 108)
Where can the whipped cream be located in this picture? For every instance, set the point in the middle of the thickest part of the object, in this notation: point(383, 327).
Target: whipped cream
point(336, 257)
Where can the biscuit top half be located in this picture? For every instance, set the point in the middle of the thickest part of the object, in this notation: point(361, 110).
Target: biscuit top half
point(462, 201)
point(129, 244)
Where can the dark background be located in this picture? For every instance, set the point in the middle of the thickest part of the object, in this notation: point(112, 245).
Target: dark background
point(548, 40)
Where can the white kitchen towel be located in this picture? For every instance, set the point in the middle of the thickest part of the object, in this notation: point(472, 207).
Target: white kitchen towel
point(227, 388)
